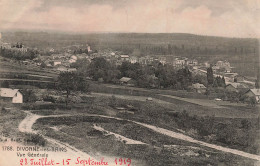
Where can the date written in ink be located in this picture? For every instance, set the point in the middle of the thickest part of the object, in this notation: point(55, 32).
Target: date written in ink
point(123, 161)
point(73, 162)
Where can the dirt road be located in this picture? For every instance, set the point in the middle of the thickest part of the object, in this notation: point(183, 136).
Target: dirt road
point(26, 126)
point(72, 152)
point(190, 139)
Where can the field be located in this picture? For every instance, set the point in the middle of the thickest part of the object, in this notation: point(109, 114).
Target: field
point(19, 75)
point(193, 103)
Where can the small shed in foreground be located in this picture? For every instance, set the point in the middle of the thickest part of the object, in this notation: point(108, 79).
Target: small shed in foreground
point(12, 95)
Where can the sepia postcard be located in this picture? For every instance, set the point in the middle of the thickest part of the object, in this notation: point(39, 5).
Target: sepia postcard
point(129, 82)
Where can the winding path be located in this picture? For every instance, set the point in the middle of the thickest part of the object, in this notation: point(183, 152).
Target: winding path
point(26, 126)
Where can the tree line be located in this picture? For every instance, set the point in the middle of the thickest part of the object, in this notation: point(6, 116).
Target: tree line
point(155, 75)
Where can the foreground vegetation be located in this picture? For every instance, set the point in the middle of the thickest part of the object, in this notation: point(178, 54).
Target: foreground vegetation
point(236, 133)
point(154, 152)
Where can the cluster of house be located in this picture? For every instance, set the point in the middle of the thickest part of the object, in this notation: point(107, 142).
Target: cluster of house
point(17, 47)
point(200, 88)
point(146, 60)
point(61, 62)
point(73, 49)
point(232, 87)
point(117, 59)
point(223, 66)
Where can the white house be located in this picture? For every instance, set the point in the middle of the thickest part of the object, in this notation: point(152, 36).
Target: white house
point(89, 49)
point(178, 62)
point(200, 88)
point(254, 93)
point(13, 95)
point(124, 57)
point(52, 50)
point(55, 63)
point(162, 60)
point(133, 59)
point(193, 62)
point(74, 57)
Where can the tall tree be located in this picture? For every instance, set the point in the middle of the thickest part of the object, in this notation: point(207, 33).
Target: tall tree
point(98, 68)
point(210, 76)
point(223, 81)
point(257, 83)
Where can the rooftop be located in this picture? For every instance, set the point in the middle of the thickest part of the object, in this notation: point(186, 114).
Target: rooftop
point(125, 79)
point(237, 85)
point(256, 91)
point(7, 92)
point(124, 56)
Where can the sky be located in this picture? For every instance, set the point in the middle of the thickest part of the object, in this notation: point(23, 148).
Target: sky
point(230, 18)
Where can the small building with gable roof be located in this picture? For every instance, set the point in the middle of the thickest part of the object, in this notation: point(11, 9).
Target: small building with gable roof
point(127, 81)
point(254, 93)
point(12, 95)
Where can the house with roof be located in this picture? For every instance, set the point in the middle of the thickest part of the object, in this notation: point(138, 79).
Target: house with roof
point(11, 95)
point(199, 88)
point(162, 60)
point(56, 62)
point(179, 62)
point(236, 87)
point(223, 66)
point(133, 59)
point(239, 78)
point(192, 62)
point(124, 57)
point(127, 81)
point(254, 93)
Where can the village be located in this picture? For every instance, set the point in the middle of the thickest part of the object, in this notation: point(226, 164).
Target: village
point(64, 60)
point(165, 104)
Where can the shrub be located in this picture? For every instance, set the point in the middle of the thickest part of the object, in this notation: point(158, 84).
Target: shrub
point(3, 110)
point(35, 138)
point(28, 95)
point(48, 98)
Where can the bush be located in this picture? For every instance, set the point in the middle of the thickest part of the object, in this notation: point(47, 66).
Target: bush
point(48, 98)
point(75, 99)
point(3, 111)
point(28, 96)
point(36, 139)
